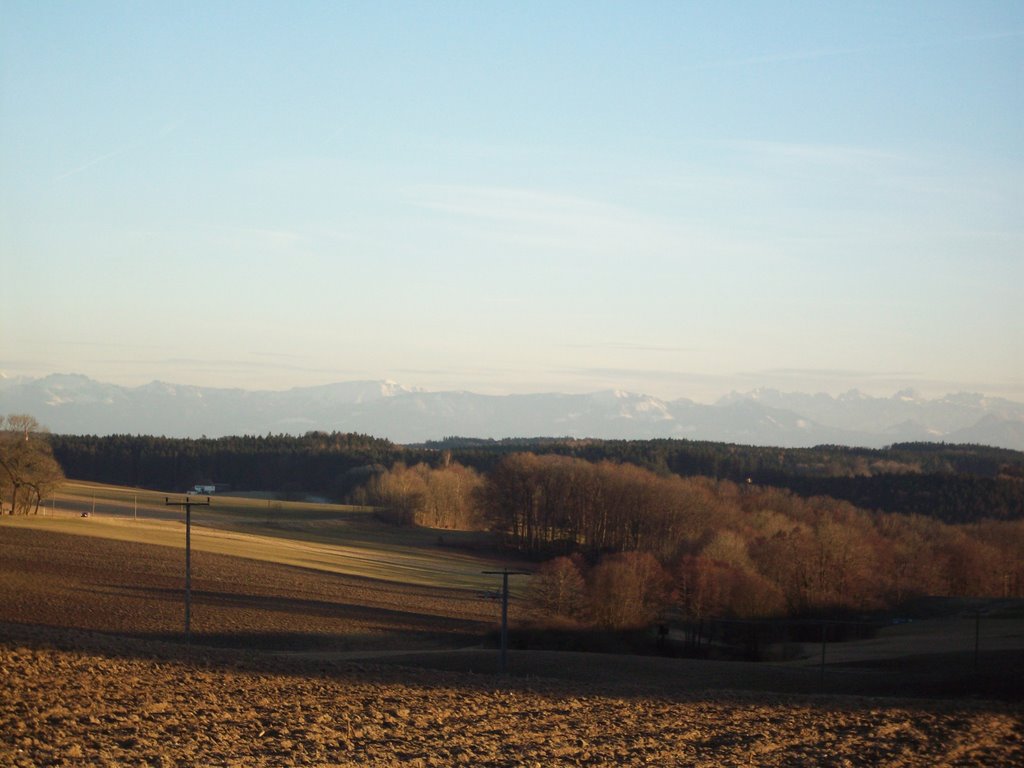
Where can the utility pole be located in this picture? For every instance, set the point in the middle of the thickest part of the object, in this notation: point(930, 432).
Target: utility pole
point(188, 504)
point(824, 640)
point(977, 638)
point(505, 573)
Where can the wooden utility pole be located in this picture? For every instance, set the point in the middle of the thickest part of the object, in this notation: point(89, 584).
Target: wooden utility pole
point(824, 640)
point(188, 504)
point(977, 639)
point(505, 573)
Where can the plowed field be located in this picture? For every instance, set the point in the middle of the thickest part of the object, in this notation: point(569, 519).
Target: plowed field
point(93, 671)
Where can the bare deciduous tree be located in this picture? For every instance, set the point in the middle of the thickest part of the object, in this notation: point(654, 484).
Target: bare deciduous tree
point(558, 590)
point(628, 589)
point(421, 495)
point(28, 471)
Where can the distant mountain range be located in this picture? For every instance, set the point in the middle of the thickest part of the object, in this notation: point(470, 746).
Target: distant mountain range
point(75, 404)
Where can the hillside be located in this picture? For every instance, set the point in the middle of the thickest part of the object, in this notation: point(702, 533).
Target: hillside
point(294, 665)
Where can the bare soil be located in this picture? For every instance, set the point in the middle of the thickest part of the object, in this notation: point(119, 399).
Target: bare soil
point(93, 671)
point(135, 589)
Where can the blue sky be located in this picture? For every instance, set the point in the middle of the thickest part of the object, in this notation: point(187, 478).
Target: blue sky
point(672, 198)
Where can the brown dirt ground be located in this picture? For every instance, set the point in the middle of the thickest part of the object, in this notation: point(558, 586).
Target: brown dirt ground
point(119, 587)
point(268, 681)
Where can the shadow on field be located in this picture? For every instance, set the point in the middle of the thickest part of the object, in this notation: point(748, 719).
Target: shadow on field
point(995, 674)
point(558, 673)
point(300, 607)
point(122, 599)
point(323, 644)
point(999, 675)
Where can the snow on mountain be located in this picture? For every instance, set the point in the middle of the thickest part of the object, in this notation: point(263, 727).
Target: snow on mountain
point(907, 396)
point(351, 391)
point(905, 415)
point(73, 403)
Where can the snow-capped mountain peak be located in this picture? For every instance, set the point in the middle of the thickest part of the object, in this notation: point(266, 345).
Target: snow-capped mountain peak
point(73, 403)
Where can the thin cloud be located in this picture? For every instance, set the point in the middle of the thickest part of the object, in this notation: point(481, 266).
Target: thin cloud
point(78, 343)
point(993, 36)
point(534, 217)
point(277, 355)
point(828, 373)
point(163, 131)
point(651, 374)
point(833, 53)
point(94, 162)
point(775, 58)
point(258, 237)
point(510, 204)
point(835, 380)
point(631, 347)
point(188, 366)
point(228, 366)
point(824, 154)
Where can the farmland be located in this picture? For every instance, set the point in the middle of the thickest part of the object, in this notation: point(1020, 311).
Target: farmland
point(322, 637)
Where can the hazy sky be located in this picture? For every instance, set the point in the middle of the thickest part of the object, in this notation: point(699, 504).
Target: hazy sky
point(671, 198)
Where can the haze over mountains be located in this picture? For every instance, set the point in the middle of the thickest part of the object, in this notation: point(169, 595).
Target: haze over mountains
point(76, 404)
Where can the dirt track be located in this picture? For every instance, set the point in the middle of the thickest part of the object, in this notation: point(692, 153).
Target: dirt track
point(76, 697)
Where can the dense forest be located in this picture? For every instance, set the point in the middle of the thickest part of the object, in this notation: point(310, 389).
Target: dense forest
point(953, 483)
point(318, 463)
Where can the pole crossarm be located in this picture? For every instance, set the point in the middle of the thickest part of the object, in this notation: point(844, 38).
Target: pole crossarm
point(188, 504)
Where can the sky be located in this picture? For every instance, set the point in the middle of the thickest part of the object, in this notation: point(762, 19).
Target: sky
point(672, 198)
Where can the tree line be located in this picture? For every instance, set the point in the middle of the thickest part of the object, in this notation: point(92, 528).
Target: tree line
point(328, 464)
point(735, 462)
point(622, 543)
point(954, 483)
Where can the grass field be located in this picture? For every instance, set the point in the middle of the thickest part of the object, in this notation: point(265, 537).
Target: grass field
point(324, 637)
point(329, 537)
